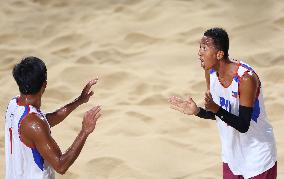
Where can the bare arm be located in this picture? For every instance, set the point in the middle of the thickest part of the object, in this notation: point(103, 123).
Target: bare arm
point(35, 133)
point(60, 114)
point(248, 89)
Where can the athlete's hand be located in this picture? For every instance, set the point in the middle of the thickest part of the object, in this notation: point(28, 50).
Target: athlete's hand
point(90, 119)
point(210, 105)
point(188, 107)
point(86, 93)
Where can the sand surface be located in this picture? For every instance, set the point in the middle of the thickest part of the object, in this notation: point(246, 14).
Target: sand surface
point(143, 52)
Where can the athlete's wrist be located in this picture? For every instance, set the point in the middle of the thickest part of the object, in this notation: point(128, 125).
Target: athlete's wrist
point(78, 101)
point(197, 111)
point(216, 108)
point(84, 133)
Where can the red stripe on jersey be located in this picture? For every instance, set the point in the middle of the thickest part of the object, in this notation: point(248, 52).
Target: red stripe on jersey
point(11, 138)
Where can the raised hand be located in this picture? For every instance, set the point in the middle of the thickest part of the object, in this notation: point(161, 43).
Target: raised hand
point(210, 105)
point(188, 107)
point(90, 119)
point(86, 93)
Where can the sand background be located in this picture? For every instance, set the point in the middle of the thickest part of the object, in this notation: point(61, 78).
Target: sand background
point(143, 52)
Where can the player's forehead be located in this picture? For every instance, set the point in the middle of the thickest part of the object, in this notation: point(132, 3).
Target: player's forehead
point(206, 41)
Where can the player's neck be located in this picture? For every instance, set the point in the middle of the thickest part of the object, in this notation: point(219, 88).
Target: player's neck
point(33, 100)
point(222, 66)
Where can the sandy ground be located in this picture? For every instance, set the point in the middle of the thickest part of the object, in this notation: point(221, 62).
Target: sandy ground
point(143, 52)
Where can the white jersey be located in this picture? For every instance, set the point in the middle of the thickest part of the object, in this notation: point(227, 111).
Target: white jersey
point(22, 162)
point(251, 153)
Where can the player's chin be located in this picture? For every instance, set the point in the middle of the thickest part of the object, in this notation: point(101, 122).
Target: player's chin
point(204, 67)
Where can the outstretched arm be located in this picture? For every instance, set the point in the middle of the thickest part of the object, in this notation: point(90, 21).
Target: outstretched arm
point(189, 107)
point(185, 106)
point(35, 133)
point(60, 114)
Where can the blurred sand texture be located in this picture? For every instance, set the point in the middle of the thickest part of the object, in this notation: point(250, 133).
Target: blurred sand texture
point(143, 52)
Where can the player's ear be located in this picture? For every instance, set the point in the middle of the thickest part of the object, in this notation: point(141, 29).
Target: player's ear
point(44, 85)
point(220, 55)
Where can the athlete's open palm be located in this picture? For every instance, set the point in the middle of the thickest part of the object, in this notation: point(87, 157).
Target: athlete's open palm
point(90, 119)
point(185, 106)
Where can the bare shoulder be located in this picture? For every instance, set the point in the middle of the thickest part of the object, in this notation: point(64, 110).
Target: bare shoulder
point(248, 89)
point(32, 129)
point(249, 80)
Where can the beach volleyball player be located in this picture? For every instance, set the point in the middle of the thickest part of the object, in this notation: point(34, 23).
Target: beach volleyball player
point(234, 99)
point(31, 152)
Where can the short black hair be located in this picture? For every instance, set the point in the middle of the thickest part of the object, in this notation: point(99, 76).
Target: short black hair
point(220, 39)
point(30, 74)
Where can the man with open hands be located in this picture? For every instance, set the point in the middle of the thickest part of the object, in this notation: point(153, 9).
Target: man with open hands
point(31, 152)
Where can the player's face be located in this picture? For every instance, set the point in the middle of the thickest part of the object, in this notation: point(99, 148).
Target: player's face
point(207, 53)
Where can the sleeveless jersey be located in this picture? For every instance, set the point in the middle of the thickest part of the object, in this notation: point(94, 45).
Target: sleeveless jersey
point(22, 161)
point(251, 153)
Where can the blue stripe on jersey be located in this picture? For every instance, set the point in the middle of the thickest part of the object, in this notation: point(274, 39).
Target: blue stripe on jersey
point(212, 71)
point(23, 115)
point(247, 67)
point(236, 78)
point(256, 111)
point(38, 158)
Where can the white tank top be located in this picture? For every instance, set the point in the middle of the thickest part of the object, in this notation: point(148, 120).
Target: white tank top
point(22, 162)
point(251, 153)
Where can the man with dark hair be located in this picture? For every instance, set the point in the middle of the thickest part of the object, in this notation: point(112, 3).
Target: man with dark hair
point(220, 39)
point(234, 99)
point(31, 152)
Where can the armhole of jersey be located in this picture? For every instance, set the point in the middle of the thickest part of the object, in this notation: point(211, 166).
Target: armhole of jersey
point(44, 116)
point(19, 130)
